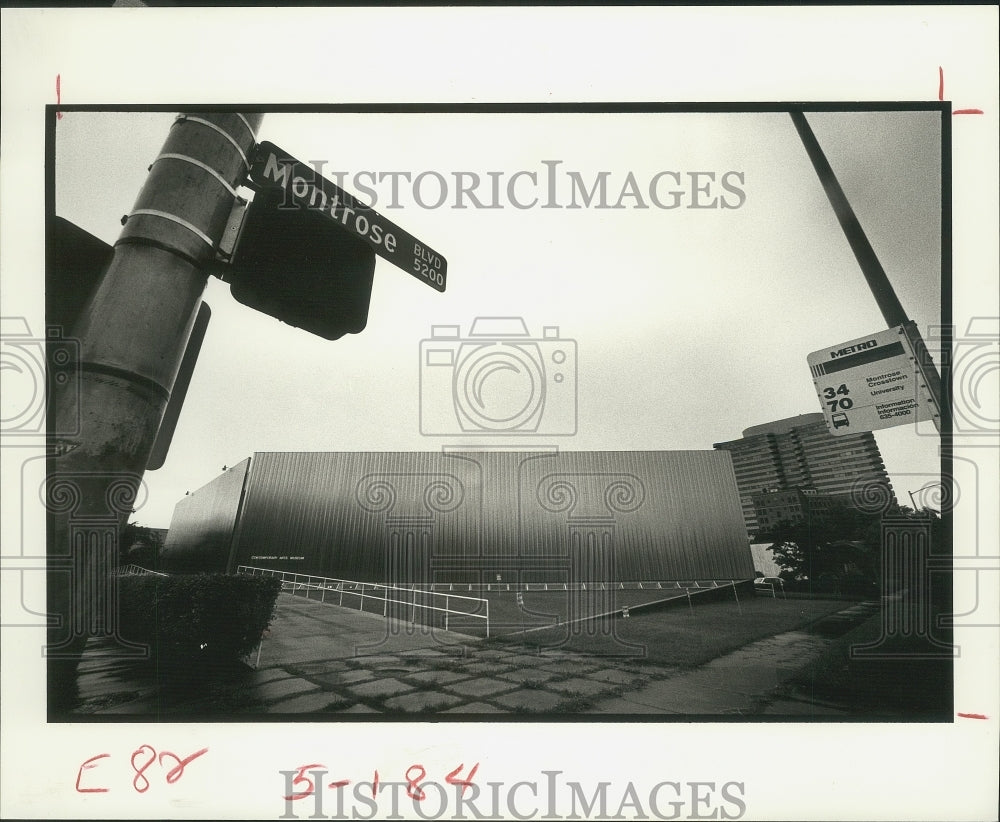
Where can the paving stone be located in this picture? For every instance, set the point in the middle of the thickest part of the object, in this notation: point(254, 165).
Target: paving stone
point(493, 654)
point(655, 671)
point(422, 701)
point(530, 700)
point(311, 703)
point(381, 688)
point(481, 687)
point(437, 677)
point(524, 659)
point(568, 667)
point(475, 708)
point(425, 652)
point(376, 662)
point(578, 686)
point(343, 677)
point(359, 709)
point(487, 668)
point(280, 688)
point(322, 667)
point(524, 676)
point(614, 676)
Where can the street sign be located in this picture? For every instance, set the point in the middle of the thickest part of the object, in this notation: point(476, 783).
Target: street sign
point(870, 383)
point(304, 186)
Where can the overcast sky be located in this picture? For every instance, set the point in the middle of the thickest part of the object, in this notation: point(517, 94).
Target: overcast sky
point(689, 324)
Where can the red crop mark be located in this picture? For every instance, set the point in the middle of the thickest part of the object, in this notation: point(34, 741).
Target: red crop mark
point(58, 95)
point(957, 110)
point(974, 716)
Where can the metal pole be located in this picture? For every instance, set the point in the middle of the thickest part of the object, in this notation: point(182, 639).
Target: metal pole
point(132, 337)
point(878, 282)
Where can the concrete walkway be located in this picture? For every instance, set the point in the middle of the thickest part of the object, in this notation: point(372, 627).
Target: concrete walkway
point(325, 660)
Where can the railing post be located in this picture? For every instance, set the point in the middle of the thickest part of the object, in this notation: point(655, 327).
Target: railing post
point(447, 611)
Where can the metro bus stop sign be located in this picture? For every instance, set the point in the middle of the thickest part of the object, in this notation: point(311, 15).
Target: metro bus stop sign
point(303, 187)
point(870, 383)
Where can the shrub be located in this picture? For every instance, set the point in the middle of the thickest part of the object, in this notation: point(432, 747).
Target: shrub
point(201, 615)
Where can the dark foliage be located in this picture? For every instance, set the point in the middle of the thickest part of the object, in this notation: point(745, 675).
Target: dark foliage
point(202, 616)
point(840, 550)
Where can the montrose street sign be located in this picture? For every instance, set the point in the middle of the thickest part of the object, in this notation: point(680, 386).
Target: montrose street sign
point(304, 187)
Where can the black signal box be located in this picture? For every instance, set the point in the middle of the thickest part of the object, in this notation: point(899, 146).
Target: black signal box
point(290, 262)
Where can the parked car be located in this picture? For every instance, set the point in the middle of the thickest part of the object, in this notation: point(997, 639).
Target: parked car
point(769, 584)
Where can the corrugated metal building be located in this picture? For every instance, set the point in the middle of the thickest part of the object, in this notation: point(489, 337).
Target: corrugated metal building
point(420, 517)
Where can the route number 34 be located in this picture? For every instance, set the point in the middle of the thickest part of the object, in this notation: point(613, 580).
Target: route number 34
point(835, 402)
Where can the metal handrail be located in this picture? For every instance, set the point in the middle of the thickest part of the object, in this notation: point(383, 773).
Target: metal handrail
point(135, 570)
point(294, 581)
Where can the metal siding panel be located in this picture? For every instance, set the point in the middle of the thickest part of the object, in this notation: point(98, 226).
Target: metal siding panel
point(201, 528)
point(341, 511)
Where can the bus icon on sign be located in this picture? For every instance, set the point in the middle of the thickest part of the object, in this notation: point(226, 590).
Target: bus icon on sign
point(839, 420)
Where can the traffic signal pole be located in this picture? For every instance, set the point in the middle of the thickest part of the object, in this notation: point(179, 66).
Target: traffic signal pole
point(132, 337)
point(878, 282)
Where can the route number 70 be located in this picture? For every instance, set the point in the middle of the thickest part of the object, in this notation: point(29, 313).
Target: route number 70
point(833, 401)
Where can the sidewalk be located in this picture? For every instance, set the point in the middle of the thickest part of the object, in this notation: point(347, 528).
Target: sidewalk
point(324, 660)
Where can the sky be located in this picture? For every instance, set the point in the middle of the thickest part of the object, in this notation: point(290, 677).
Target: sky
point(682, 326)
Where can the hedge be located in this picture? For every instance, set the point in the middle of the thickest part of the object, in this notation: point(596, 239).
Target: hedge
point(199, 615)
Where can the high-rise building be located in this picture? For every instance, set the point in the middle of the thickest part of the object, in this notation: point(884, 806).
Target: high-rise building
point(800, 453)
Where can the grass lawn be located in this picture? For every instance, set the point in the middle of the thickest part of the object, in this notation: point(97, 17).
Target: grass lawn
point(897, 682)
point(686, 637)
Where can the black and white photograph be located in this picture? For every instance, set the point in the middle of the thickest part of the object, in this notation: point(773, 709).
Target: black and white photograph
point(448, 449)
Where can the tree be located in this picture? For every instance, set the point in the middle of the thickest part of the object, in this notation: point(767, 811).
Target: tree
point(828, 546)
point(140, 545)
point(842, 547)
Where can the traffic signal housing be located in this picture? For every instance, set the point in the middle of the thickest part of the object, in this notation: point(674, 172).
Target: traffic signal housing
point(294, 264)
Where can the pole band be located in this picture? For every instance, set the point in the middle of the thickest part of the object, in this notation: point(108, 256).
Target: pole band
point(220, 130)
point(203, 166)
point(152, 212)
